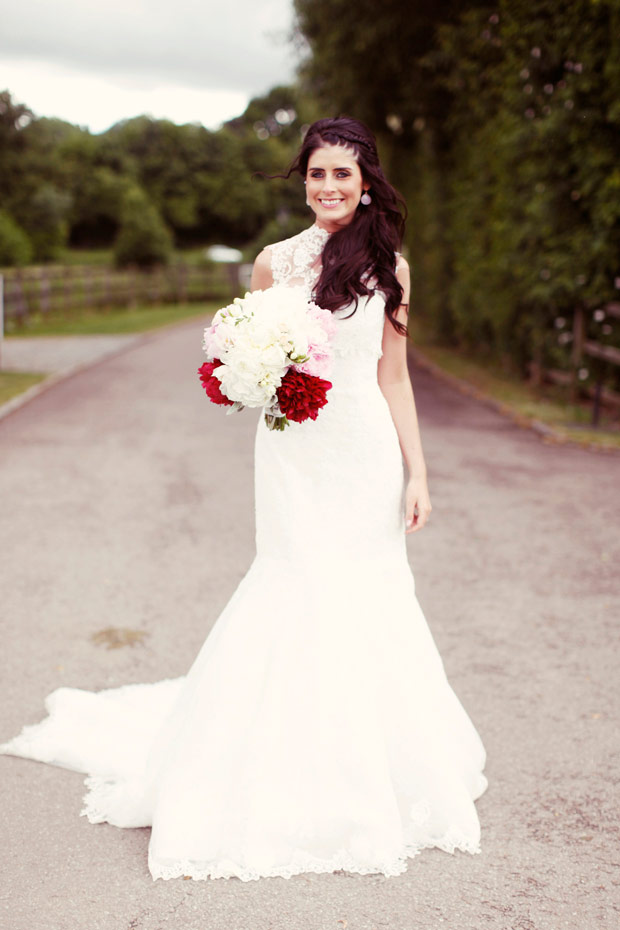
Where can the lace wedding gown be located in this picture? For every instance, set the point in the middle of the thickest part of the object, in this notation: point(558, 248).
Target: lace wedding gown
point(316, 729)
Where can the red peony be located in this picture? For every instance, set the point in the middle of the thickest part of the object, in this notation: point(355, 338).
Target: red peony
point(211, 384)
point(301, 396)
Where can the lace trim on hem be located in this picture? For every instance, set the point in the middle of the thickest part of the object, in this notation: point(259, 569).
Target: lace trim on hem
point(116, 800)
point(98, 797)
point(185, 868)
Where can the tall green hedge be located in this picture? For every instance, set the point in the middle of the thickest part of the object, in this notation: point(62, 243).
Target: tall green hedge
point(499, 121)
point(529, 190)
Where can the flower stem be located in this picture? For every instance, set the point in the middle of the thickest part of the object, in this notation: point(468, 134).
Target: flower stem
point(279, 423)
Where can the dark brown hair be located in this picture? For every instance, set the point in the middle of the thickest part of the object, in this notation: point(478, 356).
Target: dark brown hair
point(359, 258)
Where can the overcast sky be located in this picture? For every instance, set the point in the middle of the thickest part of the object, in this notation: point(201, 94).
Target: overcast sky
point(93, 62)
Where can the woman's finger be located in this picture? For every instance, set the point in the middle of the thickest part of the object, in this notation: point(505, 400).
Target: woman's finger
point(417, 520)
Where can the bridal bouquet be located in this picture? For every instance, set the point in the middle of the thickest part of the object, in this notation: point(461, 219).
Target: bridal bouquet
point(270, 349)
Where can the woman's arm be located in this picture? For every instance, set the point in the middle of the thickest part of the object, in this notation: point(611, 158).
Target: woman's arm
point(395, 384)
point(262, 277)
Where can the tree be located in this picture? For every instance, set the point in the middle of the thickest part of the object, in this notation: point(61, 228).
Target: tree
point(206, 186)
point(373, 65)
point(14, 117)
point(499, 123)
point(533, 182)
point(15, 247)
point(270, 132)
point(143, 237)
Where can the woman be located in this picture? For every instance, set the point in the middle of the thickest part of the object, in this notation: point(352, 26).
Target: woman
point(316, 729)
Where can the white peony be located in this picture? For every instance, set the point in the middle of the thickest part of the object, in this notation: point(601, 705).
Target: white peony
point(259, 337)
point(247, 385)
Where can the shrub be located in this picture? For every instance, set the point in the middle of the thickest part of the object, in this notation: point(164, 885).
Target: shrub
point(143, 238)
point(15, 246)
point(45, 218)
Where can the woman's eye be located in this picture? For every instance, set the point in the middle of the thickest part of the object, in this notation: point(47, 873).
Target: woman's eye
point(318, 175)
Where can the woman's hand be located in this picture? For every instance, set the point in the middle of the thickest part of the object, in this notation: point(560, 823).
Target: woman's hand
point(417, 504)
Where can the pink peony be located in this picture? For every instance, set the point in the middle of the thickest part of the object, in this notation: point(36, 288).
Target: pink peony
point(319, 363)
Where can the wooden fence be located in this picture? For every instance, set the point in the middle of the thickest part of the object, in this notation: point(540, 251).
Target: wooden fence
point(63, 290)
point(583, 348)
point(70, 289)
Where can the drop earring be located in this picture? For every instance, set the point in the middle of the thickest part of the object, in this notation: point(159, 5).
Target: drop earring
point(366, 198)
point(307, 201)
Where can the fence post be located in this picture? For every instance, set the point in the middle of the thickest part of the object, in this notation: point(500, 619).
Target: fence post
point(130, 277)
point(45, 290)
point(596, 404)
point(88, 283)
point(68, 289)
point(1, 317)
point(106, 298)
point(233, 279)
point(576, 351)
point(207, 286)
point(181, 284)
point(21, 309)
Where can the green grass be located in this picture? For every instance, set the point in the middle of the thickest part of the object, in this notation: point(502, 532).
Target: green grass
point(102, 257)
point(112, 322)
point(523, 401)
point(105, 257)
point(13, 383)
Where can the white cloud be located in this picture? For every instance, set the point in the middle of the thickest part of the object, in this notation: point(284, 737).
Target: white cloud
point(186, 60)
point(97, 102)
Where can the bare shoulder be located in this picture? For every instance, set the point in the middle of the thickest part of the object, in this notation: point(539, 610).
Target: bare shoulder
point(402, 265)
point(262, 276)
point(403, 276)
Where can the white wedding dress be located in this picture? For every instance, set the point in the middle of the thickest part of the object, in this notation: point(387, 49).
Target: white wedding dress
point(316, 729)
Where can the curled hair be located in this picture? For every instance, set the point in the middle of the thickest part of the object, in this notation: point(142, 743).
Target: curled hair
point(359, 258)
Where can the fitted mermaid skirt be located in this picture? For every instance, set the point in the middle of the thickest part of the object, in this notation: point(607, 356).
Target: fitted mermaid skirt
point(316, 729)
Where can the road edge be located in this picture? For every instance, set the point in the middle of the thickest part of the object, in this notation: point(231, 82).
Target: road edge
point(20, 400)
point(547, 434)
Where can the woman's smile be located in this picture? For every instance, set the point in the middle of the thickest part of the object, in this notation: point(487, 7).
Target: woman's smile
point(334, 185)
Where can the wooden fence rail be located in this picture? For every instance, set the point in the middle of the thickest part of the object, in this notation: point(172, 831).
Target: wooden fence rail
point(70, 289)
point(582, 347)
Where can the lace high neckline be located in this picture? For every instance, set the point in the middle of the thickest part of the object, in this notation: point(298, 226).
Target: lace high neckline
point(316, 237)
point(296, 261)
point(319, 230)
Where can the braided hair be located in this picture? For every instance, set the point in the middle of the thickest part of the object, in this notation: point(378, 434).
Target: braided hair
point(359, 258)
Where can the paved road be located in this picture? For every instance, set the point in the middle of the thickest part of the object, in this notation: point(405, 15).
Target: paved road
point(127, 503)
point(61, 354)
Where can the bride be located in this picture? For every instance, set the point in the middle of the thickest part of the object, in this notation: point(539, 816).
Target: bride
point(316, 729)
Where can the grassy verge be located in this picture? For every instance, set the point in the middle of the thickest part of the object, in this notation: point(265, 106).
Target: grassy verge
point(13, 383)
point(113, 322)
point(105, 257)
point(524, 402)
